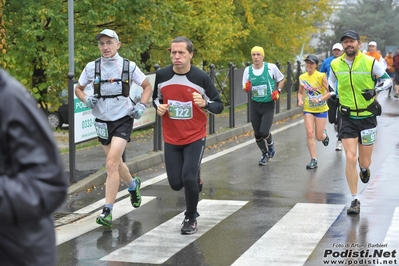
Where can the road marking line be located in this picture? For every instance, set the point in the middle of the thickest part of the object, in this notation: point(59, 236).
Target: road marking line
point(292, 239)
point(391, 237)
point(164, 241)
point(249, 142)
point(69, 231)
point(99, 204)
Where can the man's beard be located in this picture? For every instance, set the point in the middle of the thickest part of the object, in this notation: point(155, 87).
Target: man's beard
point(351, 53)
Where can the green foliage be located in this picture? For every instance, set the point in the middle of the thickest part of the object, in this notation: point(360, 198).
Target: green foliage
point(215, 32)
point(36, 32)
point(280, 27)
point(222, 32)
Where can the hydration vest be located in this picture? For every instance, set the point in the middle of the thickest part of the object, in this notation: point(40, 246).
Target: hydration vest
point(124, 79)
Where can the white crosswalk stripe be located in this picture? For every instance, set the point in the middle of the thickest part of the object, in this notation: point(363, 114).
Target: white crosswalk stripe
point(293, 238)
point(158, 245)
point(393, 232)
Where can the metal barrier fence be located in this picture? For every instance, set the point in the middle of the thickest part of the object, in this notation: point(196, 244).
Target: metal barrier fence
point(228, 82)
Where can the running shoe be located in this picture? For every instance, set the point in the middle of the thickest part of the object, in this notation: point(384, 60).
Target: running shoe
point(364, 175)
point(105, 217)
point(264, 159)
point(189, 226)
point(326, 140)
point(135, 197)
point(271, 151)
point(354, 208)
point(338, 147)
point(312, 164)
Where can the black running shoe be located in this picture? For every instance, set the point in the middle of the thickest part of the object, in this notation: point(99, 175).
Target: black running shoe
point(135, 197)
point(189, 226)
point(354, 208)
point(364, 175)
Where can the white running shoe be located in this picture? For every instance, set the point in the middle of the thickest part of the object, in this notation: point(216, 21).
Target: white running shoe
point(339, 146)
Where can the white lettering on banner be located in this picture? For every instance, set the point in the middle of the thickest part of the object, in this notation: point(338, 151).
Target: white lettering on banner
point(80, 105)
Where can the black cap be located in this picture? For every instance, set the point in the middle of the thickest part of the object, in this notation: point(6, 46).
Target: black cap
point(312, 58)
point(351, 34)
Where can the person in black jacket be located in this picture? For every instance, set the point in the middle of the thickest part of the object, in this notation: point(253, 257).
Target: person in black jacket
point(32, 179)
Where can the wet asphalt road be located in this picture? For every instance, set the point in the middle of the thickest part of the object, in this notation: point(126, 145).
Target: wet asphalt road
point(279, 214)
